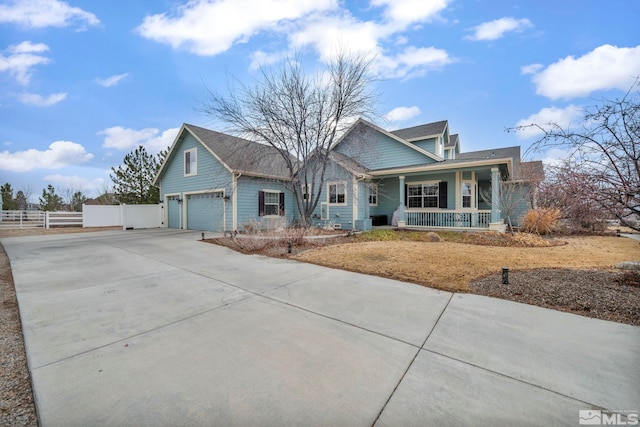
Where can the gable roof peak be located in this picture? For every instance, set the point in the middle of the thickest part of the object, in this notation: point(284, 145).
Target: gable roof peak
point(422, 131)
point(242, 155)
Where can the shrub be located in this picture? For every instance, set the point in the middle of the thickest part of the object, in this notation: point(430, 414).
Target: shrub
point(378, 235)
point(541, 221)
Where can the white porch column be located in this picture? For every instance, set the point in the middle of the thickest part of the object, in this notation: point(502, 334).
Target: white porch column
point(495, 195)
point(401, 218)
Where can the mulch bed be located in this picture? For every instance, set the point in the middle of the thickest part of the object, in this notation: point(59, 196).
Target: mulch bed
point(606, 295)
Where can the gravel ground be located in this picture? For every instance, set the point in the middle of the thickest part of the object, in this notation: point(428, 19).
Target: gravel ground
point(16, 397)
point(602, 294)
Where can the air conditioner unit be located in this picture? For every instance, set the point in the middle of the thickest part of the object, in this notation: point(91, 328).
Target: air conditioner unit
point(337, 226)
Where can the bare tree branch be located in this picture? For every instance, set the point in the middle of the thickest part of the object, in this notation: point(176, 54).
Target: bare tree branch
point(300, 115)
point(604, 157)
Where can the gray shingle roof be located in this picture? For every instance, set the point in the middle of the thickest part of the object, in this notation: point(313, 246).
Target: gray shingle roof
point(429, 129)
point(494, 153)
point(242, 155)
point(453, 140)
point(348, 162)
point(532, 171)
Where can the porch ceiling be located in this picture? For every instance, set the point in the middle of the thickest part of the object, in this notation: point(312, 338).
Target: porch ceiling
point(483, 173)
point(482, 167)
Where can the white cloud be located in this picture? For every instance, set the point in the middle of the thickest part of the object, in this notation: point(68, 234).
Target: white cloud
point(161, 142)
point(496, 29)
point(21, 59)
point(75, 182)
point(605, 67)
point(260, 58)
point(210, 28)
point(112, 81)
point(44, 13)
point(547, 117)
point(28, 47)
point(59, 154)
point(399, 114)
point(327, 34)
point(41, 101)
point(125, 139)
point(531, 68)
point(555, 156)
point(414, 61)
point(405, 12)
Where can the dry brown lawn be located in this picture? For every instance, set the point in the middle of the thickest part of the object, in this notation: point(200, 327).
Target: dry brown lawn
point(453, 266)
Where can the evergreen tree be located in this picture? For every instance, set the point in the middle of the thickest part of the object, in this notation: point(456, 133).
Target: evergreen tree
point(77, 200)
point(8, 204)
point(50, 201)
point(133, 180)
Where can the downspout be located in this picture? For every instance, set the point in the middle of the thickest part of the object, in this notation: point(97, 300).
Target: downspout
point(354, 183)
point(234, 201)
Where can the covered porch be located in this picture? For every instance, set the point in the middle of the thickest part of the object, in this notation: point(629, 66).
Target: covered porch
point(438, 197)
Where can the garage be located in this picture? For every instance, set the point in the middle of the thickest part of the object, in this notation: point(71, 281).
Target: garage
point(173, 212)
point(205, 211)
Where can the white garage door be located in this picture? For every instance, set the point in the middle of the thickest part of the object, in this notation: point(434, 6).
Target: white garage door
point(205, 211)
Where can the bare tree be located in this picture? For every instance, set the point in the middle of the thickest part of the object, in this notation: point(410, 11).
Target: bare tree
point(512, 196)
point(301, 116)
point(569, 190)
point(604, 154)
point(107, 196)
point(27, 192)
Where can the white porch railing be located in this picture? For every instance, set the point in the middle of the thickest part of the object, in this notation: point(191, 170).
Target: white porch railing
point(448, 218)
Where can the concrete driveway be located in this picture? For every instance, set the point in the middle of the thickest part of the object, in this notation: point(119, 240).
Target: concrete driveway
point(153, 327)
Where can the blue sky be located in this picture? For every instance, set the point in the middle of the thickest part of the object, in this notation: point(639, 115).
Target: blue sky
point(82, 83)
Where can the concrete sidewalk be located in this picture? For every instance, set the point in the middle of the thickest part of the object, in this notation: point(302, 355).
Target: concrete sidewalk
point(156, 328)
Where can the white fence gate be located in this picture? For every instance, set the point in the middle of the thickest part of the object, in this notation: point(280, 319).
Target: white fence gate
point(126, 216)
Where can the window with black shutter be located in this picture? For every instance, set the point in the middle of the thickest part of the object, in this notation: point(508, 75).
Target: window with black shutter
point(270, 203)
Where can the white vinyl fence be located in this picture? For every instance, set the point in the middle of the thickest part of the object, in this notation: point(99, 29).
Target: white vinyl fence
point(22, 219)
point(125, 216)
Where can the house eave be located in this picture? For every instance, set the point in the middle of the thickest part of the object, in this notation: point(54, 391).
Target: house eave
point(261, 175)
point(421, 138)
point(441, 166)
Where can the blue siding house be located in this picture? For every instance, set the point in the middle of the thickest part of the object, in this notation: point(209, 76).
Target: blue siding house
point(415, 178)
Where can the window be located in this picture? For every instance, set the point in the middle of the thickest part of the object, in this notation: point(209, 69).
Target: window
point(467, 191)
point(373, 194)
point(306, 194)
point(337, 193)
point(422, 195)
point(190, 162)
point(270, 203)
